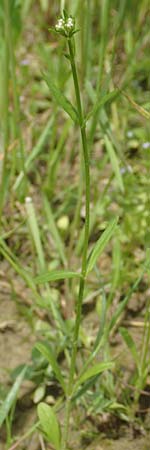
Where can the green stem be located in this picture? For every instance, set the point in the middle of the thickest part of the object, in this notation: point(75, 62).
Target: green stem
point(85, 247)
point(5, 105)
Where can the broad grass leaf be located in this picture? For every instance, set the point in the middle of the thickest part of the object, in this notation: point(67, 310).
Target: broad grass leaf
point(114, 162)
point(11, 397)
point(101, 244)
point(48, 354)
point(61, 100)
point(55, 275)
point(49, 424)
point(130, 344)
point(93, 371)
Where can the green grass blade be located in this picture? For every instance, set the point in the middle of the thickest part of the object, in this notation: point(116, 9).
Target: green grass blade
point(107, 98)
point(101, 326)
point(101, 244)
point(11, 397)
point(34, 228)
point(114, 162)
point(48, 354)
point(37, 149)
point(55, 275)
point(54, 231)
point(130, 344)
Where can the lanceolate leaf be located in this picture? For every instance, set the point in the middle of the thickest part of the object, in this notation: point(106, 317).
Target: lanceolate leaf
point(101, 244)
point(55, 275)
point(49, 355)
point(11, 397)
point(93, 371)
point(61, 100)
point(49, 424)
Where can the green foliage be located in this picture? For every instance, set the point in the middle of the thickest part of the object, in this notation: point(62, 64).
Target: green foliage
point(98, 264)
point(60, 99)
point(101, 244)
point(48, 354)
point(11, 397)
point(49, 424)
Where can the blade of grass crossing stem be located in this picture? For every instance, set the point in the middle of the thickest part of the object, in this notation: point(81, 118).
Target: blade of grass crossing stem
point(46, 351)
point(114, 162)
point(37, 149)
point(34, 228)
point(54, 231)
point(11, 397)
point(101, 244)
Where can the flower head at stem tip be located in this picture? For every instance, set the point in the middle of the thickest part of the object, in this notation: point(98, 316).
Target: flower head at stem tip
point(65, 26)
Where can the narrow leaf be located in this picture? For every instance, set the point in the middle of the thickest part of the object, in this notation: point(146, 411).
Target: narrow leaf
point(54, 231)
point(49, 424)
point(101, 244)
point(130, 344)
point(93, 371)
point(101, 325)
point(61, 100)
point(8, 402)
point(55, 275)
point(102, 102)
point(114, 162)
point(142, 111)
point(48, 354)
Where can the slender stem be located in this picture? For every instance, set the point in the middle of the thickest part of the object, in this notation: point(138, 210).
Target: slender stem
point(5, 106)
point(85, 247)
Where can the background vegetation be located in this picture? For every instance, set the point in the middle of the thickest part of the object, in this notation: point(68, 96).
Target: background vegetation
point(42, 217)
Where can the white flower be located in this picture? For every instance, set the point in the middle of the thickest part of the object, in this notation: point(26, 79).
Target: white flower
point(60, 25)
point(69, 23)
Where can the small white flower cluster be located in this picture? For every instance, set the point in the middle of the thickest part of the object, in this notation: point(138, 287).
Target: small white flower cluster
point(69, 24)
point(65, 26)
point(60, 25)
